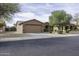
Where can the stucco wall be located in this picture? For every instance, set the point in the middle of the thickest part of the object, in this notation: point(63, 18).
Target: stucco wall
point(2, 29)
point(19, 28)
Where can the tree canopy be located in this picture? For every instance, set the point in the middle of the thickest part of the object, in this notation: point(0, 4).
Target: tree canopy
point(59, 17)
point(8, 9)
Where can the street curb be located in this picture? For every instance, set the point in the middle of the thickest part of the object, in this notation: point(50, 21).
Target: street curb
point(36, 37)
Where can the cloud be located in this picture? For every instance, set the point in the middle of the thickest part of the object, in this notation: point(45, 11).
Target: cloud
point(38, 8)
point(41, 11)
point(44, 8)
point(71, 8)
point(29, 15)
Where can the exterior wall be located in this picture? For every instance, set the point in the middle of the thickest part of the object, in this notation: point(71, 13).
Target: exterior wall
point(78, 27)
point(43, 27)
point(19, 28)
point(2, 29)
point(55, 29)
point(77, 24)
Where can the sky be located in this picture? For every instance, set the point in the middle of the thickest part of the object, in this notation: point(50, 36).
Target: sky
point(41, 11)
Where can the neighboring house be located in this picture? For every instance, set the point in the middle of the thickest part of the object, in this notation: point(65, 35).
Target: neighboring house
point(31, 26)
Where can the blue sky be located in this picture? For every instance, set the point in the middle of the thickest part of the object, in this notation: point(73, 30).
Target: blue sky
point(42, 11)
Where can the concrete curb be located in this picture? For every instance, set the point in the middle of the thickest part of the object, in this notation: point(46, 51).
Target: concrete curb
point(39, 36)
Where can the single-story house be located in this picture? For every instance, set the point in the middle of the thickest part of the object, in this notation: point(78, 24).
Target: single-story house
point(31, 26)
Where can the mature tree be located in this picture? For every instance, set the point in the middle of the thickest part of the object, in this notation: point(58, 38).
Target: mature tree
point(7, 10)
point(59, 18)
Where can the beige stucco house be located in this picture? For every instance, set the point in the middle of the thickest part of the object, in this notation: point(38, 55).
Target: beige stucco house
point(31, 26)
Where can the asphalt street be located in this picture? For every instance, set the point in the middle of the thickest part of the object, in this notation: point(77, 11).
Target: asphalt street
point(60, 46)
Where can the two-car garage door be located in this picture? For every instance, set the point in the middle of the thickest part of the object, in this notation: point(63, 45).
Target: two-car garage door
point(32, 29)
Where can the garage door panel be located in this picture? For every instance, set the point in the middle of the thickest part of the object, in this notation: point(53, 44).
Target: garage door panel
point(32, 29)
